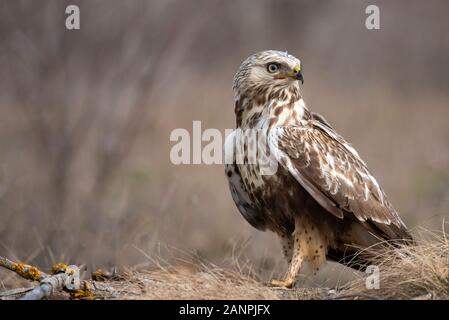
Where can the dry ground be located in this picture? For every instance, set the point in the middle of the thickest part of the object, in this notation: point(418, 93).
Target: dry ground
point(419, 271)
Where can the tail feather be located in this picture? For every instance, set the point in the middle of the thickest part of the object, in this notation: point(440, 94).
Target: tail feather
point(358, 258)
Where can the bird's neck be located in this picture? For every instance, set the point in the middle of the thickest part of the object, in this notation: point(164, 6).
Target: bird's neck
point(269, 109)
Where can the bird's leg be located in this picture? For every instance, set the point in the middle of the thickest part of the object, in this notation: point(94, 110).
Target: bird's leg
point(287, 243)
point(295, 262)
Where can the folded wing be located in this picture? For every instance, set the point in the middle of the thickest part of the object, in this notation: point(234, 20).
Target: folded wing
point(335, 176)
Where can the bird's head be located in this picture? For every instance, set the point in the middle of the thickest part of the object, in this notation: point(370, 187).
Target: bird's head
point(266, 71)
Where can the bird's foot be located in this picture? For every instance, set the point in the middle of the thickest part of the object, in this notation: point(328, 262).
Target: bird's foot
point(286, 283)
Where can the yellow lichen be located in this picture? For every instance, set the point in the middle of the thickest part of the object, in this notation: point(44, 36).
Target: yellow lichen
point(83, 293)
point(27, 271)
point(59, 267)
point(100, 275)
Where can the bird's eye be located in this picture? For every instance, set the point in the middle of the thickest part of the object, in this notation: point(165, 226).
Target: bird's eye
point(272, 67)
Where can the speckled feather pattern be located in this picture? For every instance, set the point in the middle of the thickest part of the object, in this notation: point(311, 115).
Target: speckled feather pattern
point(321, 187)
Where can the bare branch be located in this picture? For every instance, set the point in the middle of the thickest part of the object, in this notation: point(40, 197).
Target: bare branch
point(61, 279)
point(24, 270)
point(14, 293)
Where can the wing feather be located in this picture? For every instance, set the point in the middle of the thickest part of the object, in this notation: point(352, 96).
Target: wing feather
point(331, 170)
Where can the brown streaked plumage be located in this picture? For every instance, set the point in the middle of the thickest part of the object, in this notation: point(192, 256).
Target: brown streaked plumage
point(322, 200)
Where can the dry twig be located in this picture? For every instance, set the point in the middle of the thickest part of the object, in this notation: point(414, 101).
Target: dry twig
point(62, 278)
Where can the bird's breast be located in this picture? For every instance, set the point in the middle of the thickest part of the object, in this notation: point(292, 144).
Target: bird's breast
point(274, 114)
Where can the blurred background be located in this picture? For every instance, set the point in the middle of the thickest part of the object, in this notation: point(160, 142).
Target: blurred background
point(85, 119)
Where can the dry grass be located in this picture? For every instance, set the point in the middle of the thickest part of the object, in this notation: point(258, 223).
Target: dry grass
point(418, 271)
point(205, 283)
point(409, 272)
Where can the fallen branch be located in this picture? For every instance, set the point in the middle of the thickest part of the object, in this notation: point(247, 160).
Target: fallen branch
point(62, 278)
point(26, 271)
point(53, 284)
point(14, 293)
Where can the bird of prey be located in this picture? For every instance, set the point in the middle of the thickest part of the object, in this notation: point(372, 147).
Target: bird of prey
point(322, 201)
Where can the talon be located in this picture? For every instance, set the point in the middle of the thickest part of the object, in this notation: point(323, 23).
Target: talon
point(287, 283)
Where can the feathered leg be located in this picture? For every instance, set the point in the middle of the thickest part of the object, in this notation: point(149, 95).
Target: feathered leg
point(287, 243)
point(292, 251)
point(309, 245)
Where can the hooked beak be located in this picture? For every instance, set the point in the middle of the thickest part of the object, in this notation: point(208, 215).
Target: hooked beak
point(297, 74)
point(300, 77)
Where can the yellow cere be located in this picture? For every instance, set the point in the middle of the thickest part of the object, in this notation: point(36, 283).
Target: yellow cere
point(297, 69)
